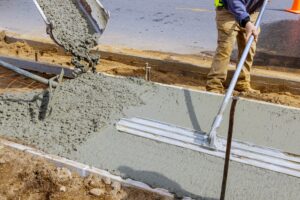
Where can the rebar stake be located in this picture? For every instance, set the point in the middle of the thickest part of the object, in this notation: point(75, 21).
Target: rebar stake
point(148, 72)
point(36, 56)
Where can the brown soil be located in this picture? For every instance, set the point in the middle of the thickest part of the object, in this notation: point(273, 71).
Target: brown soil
point(23, 50)
point(12, 82)
point(24, 176)
point(188, 80)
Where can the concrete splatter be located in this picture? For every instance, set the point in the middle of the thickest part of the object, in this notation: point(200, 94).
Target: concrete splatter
point(72, 31)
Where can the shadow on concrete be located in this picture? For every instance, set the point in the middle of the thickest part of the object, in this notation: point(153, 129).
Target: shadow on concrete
point(155, 179)
point(44, 109)
point(191, 110)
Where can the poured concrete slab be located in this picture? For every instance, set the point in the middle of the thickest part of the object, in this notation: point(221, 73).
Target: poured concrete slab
point(188, 172)
point(261, 123)
point(181, 170)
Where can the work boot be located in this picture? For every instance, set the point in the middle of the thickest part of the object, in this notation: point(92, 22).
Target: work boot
point(245, 87)
point(214, 85)
point(215, 90)
point(247, 90)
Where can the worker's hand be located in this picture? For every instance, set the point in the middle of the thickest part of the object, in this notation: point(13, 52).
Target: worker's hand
point(251, 30)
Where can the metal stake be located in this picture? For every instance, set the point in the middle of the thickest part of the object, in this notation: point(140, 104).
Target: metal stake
point(36, 56)
point(148, 72)
point(228, 149)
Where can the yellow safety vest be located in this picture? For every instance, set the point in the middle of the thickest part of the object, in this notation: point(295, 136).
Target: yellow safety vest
point(219, 3)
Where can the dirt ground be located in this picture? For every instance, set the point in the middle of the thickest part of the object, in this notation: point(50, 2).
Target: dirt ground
point(55, 56)
point(24, 176)
point(12, 82)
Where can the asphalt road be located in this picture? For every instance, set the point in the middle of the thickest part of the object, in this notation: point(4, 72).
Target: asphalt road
point(181, 26)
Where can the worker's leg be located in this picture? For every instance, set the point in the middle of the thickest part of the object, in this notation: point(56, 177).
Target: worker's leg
point(244, 78)
point(227, 32)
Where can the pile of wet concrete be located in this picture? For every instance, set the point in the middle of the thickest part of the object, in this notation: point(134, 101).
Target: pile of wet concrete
point(64, 118)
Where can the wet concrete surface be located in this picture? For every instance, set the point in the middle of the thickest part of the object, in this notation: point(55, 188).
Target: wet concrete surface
point(181, 26)
point(68, 121)
point(62, 120)
point(83, 129)
point(183, 171)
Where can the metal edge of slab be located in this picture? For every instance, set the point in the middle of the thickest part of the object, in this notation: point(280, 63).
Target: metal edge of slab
point(85, 170)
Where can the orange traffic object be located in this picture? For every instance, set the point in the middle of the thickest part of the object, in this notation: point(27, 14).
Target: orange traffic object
point(296, 7)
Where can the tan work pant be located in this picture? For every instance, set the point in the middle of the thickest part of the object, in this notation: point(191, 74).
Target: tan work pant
point(229, 31)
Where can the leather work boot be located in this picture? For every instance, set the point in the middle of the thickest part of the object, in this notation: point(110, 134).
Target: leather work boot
point(214, 90)
point(247, 90)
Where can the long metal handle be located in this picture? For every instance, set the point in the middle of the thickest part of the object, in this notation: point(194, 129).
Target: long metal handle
point(217, 122)
point(28, 74)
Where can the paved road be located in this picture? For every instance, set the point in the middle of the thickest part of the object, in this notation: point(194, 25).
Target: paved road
point(182, 26)
point(21, 16)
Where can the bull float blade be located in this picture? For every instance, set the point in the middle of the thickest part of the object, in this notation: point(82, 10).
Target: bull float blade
point(246, 153)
